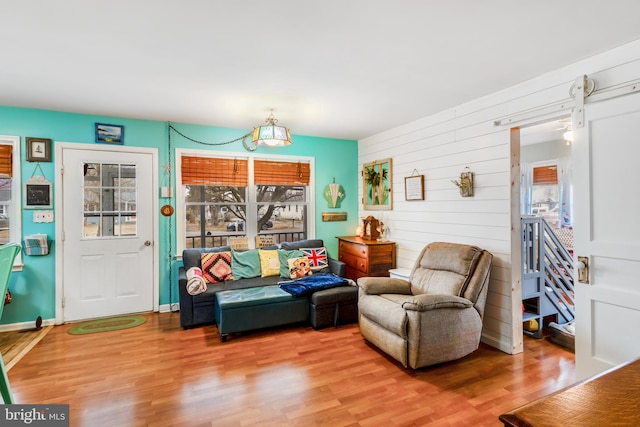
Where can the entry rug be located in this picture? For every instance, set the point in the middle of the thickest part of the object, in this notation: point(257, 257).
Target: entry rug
point(105, 325)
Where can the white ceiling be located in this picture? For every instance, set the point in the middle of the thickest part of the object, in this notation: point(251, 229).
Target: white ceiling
point(334, 68)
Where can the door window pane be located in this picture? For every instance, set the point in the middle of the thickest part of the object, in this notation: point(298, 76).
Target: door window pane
point(109, 200)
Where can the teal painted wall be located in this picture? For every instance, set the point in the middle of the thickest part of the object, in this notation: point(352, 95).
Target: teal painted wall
point(33, 288)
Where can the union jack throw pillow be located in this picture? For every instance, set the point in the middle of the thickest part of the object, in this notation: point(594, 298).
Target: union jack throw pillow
point(317, 258)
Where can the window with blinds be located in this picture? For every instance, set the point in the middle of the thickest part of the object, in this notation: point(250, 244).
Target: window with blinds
point(227, 197)
point(544, 201)
point(545, 175)
point(6, 160)
point(8, 210)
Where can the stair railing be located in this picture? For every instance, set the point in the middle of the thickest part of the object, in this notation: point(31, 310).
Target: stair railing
point(544, 255)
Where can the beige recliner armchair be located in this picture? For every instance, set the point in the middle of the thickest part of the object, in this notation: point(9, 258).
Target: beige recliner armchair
point(436, 315)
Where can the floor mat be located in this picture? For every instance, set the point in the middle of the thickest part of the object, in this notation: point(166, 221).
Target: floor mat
point(106, 325)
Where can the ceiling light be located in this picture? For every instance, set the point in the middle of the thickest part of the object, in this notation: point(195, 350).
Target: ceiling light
point(271, 134)
point(568, 136)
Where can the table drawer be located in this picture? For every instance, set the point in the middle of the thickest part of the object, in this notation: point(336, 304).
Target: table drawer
point(354, 249)
point(355, 262)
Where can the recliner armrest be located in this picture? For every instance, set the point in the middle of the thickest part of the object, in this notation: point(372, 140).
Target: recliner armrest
point(426, 302)
point(384, 285)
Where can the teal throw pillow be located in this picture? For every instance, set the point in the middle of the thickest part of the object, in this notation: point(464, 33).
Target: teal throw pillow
point(284, 264)
point(245, 264)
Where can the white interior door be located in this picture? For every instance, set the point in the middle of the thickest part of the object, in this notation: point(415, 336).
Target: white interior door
point(108, 266)
point(607, 231)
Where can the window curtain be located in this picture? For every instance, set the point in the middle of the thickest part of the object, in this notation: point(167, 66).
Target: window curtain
point(526, 188)
point(565, 193)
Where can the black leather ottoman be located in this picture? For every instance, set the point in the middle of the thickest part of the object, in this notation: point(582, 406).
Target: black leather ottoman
point(332, 306)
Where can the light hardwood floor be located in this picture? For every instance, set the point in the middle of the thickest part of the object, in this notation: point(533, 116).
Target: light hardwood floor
point(160, 375)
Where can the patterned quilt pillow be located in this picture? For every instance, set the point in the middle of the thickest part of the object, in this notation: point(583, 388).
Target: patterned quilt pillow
point(317, 258)
point(216, 267)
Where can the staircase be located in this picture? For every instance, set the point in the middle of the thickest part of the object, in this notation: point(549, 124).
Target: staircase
point(547, 274)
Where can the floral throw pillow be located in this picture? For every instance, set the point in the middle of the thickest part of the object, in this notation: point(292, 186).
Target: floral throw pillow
point(299, 267)
point(216, 267)
point(317, 258)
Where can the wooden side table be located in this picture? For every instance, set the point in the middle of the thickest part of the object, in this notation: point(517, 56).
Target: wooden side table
point(365, 258)
point(608, 399)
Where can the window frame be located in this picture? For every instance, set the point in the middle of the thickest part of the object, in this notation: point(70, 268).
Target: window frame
point(15, 223)
point(251, 203)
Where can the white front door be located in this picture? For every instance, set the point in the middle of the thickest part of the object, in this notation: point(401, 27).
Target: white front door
point(606, 152)
point(108, 253)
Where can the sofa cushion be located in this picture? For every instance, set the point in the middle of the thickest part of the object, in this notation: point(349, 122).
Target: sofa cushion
point(284, 265)
point(317, 258)
point(245, 265)
point(216, 267)
point(269, 263)
point(299, 267)
point(311, 243)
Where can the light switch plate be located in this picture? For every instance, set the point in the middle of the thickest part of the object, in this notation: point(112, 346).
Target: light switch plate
point(166, 192)
point(42, 216)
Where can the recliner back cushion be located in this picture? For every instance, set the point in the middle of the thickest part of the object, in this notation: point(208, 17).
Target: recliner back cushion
point(444, 268)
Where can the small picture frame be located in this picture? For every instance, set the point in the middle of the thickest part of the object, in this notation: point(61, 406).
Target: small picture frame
point(109, 134)
point(414, 187)
point(38, 149)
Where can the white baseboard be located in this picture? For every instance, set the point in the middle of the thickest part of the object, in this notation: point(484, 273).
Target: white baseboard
point(25, 325)
point(166, 308)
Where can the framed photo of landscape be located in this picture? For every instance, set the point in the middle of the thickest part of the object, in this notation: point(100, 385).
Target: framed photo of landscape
point(109, 134)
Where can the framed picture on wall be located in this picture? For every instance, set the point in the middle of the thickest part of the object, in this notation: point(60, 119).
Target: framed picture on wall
point(109, 134)
point(38, 149)
point(414, 187)
point(38, 193)
point(377, 185)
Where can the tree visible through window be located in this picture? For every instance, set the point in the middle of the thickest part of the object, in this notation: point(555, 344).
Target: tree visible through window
point(222, 200)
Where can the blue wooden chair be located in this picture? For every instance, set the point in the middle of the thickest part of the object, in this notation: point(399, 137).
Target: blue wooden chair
point(8, 253)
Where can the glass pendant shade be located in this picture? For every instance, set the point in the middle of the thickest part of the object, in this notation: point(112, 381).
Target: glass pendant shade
point(271, 134)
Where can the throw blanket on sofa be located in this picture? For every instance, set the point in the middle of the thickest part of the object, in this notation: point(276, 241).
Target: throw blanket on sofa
point(195, 282)
point(310, 284)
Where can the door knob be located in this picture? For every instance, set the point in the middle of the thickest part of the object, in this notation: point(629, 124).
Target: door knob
point(147, 243)
point(583, 269)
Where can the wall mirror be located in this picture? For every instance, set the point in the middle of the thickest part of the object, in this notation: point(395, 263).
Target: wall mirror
point(377, 186)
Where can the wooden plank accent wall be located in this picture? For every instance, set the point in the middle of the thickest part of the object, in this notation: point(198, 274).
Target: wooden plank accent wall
point(440, 146)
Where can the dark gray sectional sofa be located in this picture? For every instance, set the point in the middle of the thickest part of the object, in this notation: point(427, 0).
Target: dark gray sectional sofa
point(196, 310)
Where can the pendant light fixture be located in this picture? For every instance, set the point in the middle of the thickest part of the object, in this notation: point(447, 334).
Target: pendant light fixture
point(271, 134)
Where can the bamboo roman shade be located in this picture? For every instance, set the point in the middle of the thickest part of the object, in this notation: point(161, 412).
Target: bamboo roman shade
point(545, 175)
point(269, 172)
point(214, 171)
point(6, 159)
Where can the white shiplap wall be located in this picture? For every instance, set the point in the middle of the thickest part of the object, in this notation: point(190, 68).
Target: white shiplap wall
point(442, 145)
